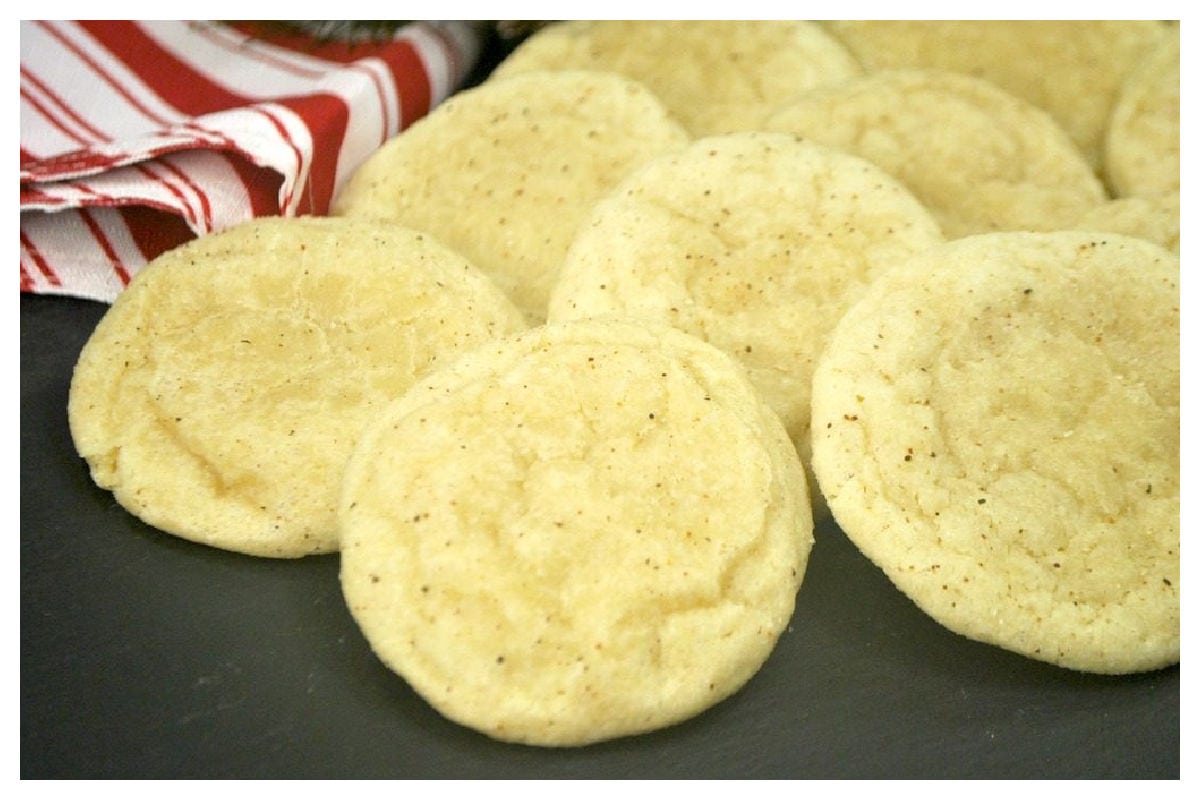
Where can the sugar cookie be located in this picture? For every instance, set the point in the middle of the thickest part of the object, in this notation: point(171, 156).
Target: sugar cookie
point(715, 76)
point(1072, 69)
point(996, 426)
point(1142, 144)
point(220, 395)
point(504, 172)
point(754, 242)
point(590, 530)
point(979, 158)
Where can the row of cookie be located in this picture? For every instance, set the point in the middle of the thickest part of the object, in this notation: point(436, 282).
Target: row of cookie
point(598, 527)
point(508, 173)
point(580, 194)
point(1111, 86)
point(556, 535)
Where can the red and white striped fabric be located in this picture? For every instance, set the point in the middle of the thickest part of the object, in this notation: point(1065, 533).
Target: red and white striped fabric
point(137, 136)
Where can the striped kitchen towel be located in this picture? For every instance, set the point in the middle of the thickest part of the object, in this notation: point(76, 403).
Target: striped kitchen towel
point(137, 136)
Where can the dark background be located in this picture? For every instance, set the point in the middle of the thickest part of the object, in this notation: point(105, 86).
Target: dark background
point(143, 655)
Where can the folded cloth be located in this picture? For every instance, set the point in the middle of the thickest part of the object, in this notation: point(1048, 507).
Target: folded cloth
point(137, 136)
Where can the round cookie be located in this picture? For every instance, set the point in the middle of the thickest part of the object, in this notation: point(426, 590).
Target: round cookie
point(754, 242)
point(589, 530)
point(1142, 145)
point(220, 395)
point(715, 76)
point(1073, 69)
point(996, 426)
point(979, 158)
point(504, 172)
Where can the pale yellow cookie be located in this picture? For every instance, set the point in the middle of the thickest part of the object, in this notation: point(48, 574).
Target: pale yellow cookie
point(504, 172)
point(716, 76)
point(1142, 146)
point(1151, 217)
point(1072, 69)
point(996, 426)
point(754, 242)
point(221, 394)
point(979, 158)
point(587, 531)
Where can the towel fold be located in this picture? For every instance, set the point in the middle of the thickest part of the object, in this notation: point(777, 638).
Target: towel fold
point(137, 136)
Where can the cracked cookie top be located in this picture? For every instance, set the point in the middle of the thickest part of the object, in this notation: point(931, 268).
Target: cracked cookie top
point(590, 530)
point(221, 394)
point(996, 426)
